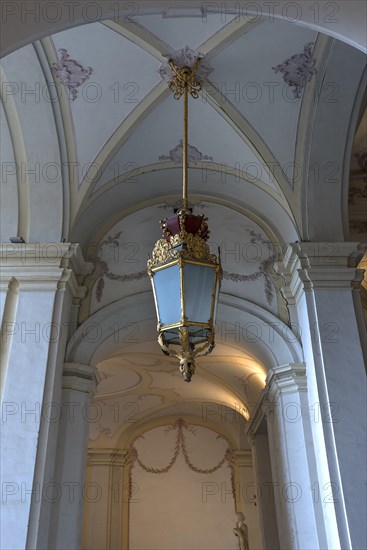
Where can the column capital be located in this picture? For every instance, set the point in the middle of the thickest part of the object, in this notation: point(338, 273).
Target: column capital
point(243, 459)
point(79, 377)
point(286, 379)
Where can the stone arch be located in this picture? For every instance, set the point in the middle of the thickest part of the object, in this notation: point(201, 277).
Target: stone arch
point(20, 31)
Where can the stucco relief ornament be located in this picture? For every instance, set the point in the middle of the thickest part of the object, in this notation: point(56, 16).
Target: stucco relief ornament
point(185, 58)
point(298, 69)
point(176, 154)
point(180, 426)
point(70, 73)
point(362, 163)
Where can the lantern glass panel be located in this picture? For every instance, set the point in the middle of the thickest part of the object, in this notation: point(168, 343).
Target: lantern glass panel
point(168, 294)
point(198, 289)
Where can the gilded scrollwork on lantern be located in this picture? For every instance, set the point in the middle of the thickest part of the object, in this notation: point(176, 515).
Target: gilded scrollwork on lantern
point(188, 353)
point(193, 247)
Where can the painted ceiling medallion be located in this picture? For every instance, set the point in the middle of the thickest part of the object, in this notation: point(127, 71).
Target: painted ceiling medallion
point(184, 58)
point(176, 154)
point(70, 73)
point(298, 69)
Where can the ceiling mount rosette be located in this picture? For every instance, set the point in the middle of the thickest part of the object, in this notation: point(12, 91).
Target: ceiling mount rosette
point(195, 61)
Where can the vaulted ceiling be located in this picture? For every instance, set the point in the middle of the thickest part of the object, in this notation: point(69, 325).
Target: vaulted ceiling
point(93, 156)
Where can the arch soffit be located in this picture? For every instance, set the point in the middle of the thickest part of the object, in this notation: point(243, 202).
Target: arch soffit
point(282, 347)
point(350, 17)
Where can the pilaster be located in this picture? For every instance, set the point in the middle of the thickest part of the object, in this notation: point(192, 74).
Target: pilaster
point(322, 283)
point(103, 517)
point(79, 385)
point(35, 279)
point(292, 458)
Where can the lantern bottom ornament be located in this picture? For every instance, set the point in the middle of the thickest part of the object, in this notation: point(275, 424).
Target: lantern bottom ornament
point(186, 279)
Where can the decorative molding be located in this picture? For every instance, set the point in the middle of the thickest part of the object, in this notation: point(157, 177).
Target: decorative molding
point(186, 57)
point(362, 162)
point(258, 414)
point(107, 457)
point(244, 381)
point(101, 269)
point(82, 378)
point(102, 430)
point(264, 271)
point(243, 459)
point(70, 73)
point(180, 446)
point(287, 379)
point(105, 376)
point(292, 287)
point(38, 266)
point(194, 155)
point(357, 193)
point(327, 265)
point(298, 69)
point(108, 424)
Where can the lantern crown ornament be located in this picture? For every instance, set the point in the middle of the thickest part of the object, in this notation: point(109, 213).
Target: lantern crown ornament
point(185, 274)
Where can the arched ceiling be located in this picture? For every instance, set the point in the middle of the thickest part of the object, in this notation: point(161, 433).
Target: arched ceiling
point(107, 141)
point(97, 160)
point(26, 22)
point(226, 389)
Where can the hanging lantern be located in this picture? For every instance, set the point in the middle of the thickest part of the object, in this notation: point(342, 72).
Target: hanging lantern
point(185, 275)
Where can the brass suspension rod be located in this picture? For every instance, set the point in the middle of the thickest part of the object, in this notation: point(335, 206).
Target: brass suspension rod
point(185, 160)
point(184, 83)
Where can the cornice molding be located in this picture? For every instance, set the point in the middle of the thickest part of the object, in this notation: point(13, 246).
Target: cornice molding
point(320, 265)
point(37, 266)
point(79, 377)
point(326, 265)
point(286, 379)
point(107, 457)
point(243, 459)
point(44, 266)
